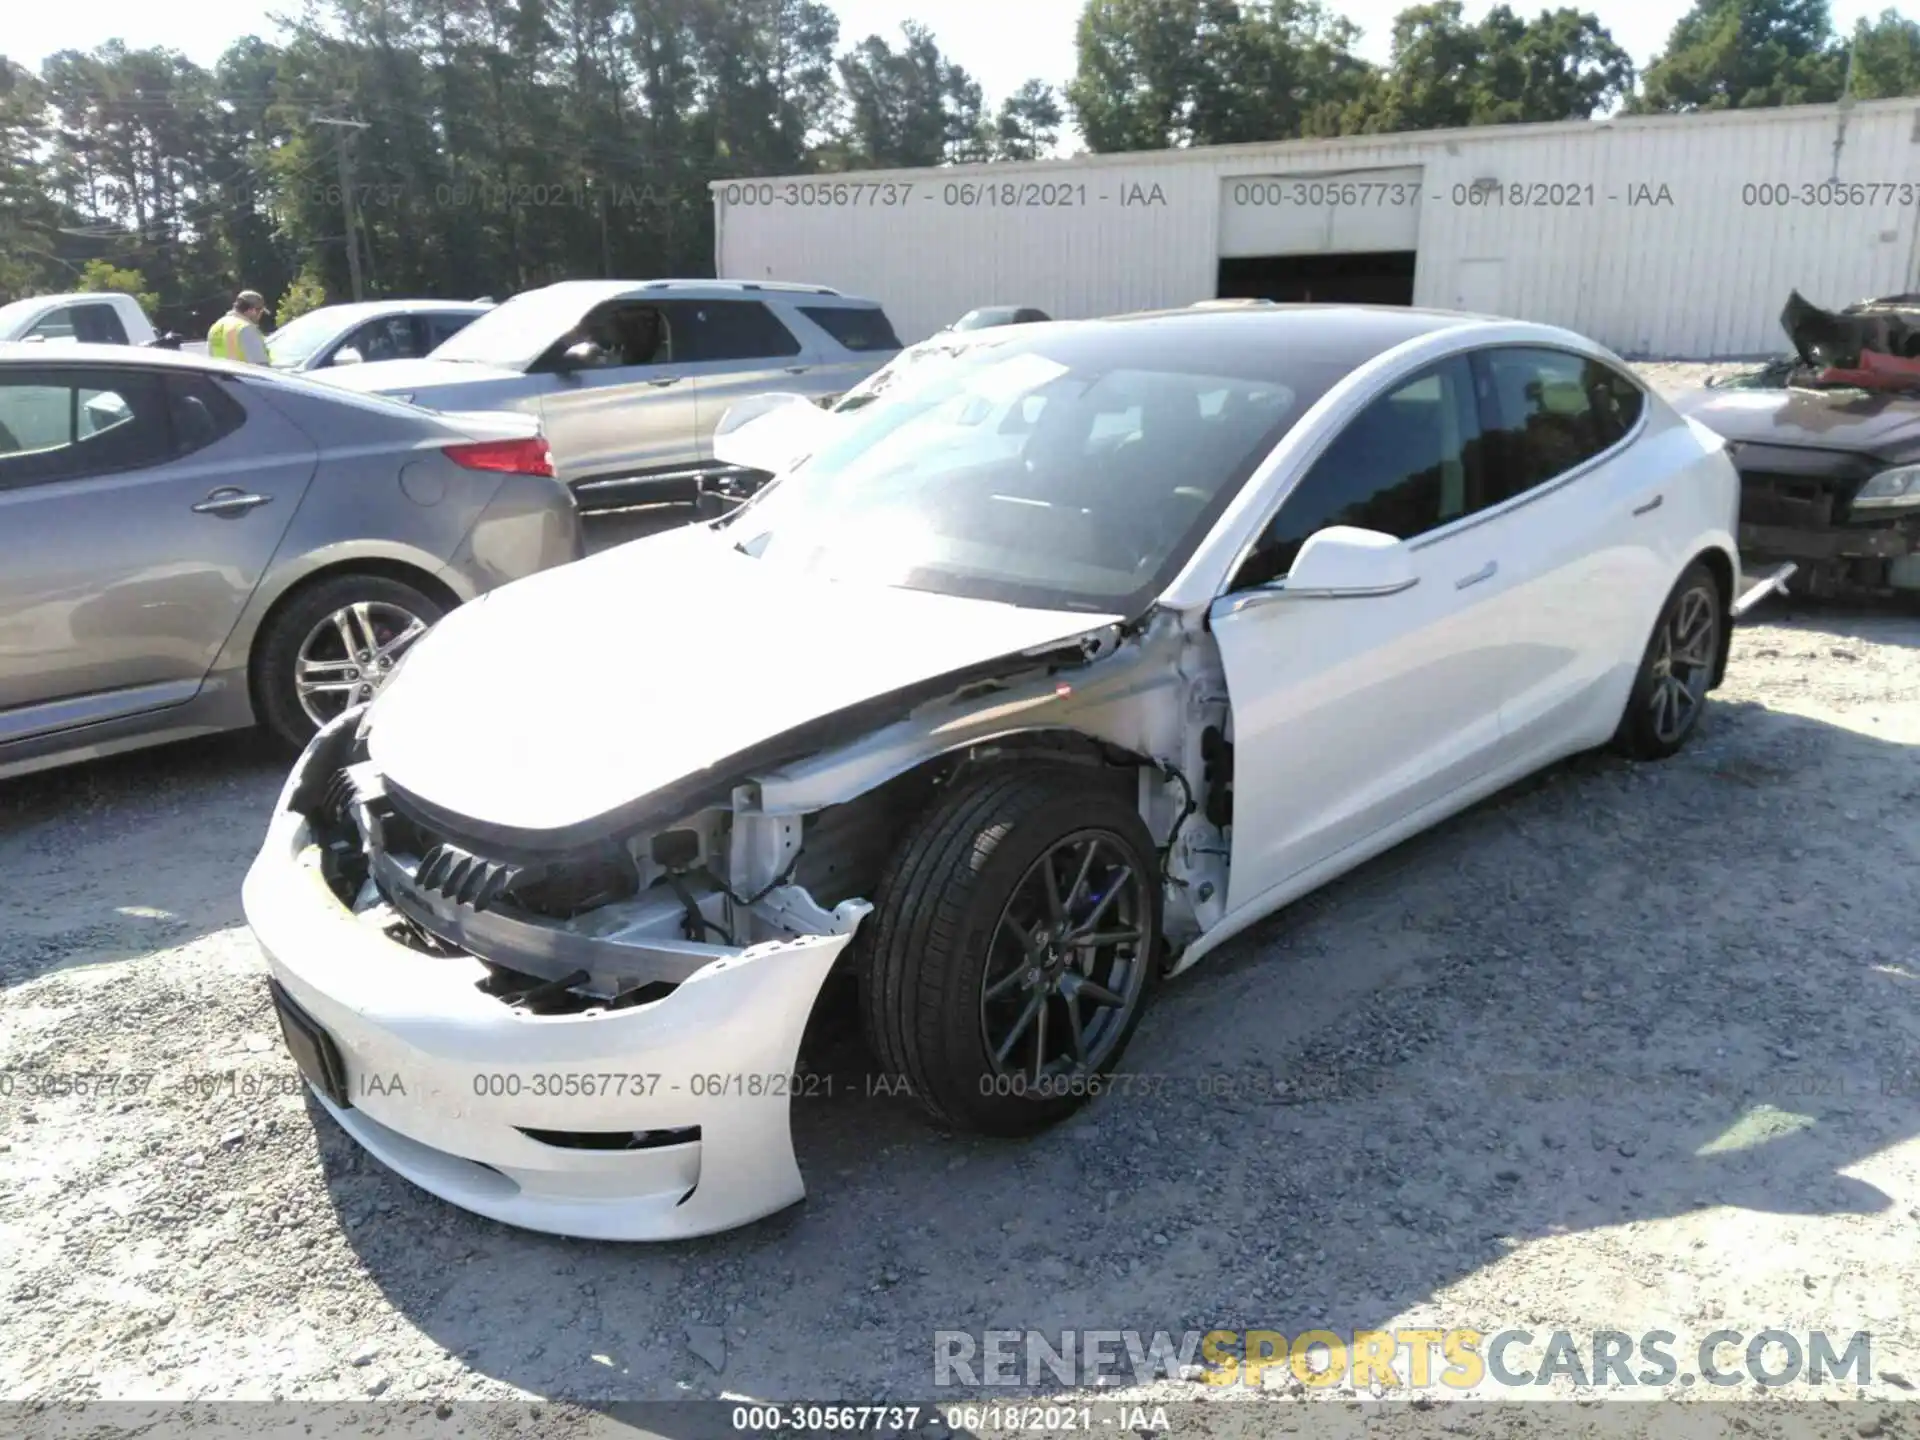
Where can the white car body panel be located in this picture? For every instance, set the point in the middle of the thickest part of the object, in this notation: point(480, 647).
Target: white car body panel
point(19, 319)
point(424, 1043)
point(1392, 703)
point(465, 743)
point(770, 432)
point(1509, 640)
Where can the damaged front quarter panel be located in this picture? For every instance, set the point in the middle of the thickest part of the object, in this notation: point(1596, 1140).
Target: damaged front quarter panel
point(1148, 698)
point(786, 842)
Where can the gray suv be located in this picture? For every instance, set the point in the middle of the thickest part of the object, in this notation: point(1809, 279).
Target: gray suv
point(190, 545)
point(629, 378)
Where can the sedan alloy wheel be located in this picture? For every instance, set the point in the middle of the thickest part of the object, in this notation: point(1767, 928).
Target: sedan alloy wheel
point(347, 657)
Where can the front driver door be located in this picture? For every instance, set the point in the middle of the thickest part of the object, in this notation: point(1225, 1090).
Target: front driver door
point(1350, 714)
point(632, 413)
point(138, 511)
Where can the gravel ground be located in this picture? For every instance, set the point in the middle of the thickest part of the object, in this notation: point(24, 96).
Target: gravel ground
point(1628, 1048)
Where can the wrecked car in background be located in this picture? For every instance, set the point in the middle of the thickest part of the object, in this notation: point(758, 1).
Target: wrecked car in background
point(1828, 448)
point(1031, 686)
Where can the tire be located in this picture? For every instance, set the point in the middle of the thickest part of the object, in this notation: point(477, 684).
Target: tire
point(938, 942)
point(1670, 692)
point(392, 607)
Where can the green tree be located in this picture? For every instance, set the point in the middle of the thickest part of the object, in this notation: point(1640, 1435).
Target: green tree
point(909, 106)
point(1027, 124)
point(1561, 65)
point(105, 276)
point(1736, 54)
point(306, 292)
point(1158, 73)
point(29, 218)
point(1886, 57)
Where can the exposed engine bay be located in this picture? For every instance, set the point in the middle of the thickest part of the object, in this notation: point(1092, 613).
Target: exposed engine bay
point(792, 841)
point(1825, 440)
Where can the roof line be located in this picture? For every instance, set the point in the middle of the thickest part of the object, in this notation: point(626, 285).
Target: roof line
point(1321, 145)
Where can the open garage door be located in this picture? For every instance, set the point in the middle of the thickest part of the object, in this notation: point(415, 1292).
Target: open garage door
point(1349, 235)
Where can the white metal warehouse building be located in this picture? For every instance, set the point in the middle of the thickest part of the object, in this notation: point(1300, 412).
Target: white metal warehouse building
point(1672, 237)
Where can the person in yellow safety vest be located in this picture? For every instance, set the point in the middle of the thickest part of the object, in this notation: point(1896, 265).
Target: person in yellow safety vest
point(236, 334)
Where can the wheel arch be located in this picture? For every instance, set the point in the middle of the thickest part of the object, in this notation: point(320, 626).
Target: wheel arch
point(1720, 563)
point(851, 830)
point(935, 759)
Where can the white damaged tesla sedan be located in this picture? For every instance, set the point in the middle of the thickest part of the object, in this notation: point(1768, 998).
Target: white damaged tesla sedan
point(1028, 688)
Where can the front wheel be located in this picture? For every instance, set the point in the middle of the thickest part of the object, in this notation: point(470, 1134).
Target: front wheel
point(1670, 691)
point(1015, 944)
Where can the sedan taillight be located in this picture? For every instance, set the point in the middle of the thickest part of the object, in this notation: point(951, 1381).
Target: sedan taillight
point(514, 457)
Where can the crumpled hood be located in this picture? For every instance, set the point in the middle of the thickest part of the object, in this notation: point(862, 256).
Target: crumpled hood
point(574, 692)
point(1851, 420)
point(385, 377)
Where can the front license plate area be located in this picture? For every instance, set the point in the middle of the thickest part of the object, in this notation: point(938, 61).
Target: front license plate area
point(312, 1048)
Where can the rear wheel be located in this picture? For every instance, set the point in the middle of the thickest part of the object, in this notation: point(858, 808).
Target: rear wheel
point(333, 646)
point(1670, 692)
point(1015, 941)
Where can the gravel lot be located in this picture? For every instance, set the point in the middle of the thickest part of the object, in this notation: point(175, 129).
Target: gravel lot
point(1624, 1048)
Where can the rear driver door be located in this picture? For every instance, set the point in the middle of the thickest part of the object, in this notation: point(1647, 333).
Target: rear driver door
point(739, 348)
point(1589, 563)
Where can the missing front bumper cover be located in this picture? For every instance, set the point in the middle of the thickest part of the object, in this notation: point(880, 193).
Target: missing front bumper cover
point(619, 950)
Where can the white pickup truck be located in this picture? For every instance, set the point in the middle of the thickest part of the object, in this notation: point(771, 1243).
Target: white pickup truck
point(100, 317)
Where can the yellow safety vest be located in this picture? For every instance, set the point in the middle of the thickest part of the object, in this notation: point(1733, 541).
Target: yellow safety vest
point(223, 340)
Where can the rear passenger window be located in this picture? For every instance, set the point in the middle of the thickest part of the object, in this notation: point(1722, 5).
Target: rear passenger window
point(1552, 411)
point(199, 413)
point(737, 330)
point(388, 338)
point(1409, 463)
point(1616, 399)
point(98, 325)
point(70, 424)
point(862, 327)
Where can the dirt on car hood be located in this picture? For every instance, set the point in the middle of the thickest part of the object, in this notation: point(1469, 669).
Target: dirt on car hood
point(569, 695)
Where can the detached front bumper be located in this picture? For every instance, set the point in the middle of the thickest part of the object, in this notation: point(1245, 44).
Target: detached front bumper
point(444, 1082)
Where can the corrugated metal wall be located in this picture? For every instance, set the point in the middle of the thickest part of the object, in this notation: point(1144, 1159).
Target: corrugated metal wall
point(1701, 273)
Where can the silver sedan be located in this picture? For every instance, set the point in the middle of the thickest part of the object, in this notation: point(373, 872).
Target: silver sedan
point(188, 545)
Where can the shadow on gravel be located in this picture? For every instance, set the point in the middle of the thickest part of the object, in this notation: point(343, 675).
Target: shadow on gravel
point(114, 859)
point(1615, 994)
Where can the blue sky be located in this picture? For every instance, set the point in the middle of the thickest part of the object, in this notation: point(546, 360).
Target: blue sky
point(1002, 42)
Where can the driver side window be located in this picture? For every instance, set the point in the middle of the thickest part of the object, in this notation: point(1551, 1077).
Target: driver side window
point(1410, 462)
point(624, 333)
point(388, 338)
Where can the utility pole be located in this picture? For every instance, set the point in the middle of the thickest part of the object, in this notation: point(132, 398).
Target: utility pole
point(346, 200)
point(1844, 108)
